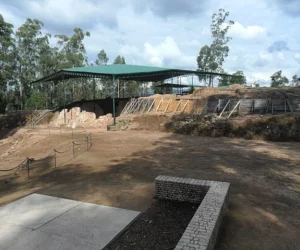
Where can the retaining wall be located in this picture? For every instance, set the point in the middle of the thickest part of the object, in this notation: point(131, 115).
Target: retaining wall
point(202, 231)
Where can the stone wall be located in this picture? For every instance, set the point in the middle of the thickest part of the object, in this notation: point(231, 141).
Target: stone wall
point(202, 231)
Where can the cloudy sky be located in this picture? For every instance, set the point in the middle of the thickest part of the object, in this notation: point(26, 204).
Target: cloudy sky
point(170, 33)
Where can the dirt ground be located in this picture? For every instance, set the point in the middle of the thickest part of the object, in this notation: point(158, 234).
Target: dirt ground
point(120, 168)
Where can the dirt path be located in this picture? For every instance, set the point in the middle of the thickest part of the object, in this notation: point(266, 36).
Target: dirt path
point(119, 170)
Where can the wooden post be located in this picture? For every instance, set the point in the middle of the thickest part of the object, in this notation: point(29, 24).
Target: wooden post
point(285, 105)
point(54, 158)
point(168, 105)
point(177, 106)
point(159, 104)
point(224, 108)
point(185, 106)
point(272, 106)
point(27, 168)
point(234, 109)
point(268, 104)
point(151, 106)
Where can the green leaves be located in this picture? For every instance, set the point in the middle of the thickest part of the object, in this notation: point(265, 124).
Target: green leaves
point(211, 58)
point(295, 80)
point(119, 60)
point(102, 58)
point(238, 78)
point(277, 80)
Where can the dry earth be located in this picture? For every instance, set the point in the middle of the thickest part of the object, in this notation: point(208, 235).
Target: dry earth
point(119, 170)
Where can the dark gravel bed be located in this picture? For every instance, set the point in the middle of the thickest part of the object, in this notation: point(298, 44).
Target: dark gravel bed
point(160, 227)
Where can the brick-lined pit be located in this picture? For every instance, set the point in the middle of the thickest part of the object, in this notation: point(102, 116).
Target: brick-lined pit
point(202, 231)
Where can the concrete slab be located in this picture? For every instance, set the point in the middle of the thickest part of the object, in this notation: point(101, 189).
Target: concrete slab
point(38, 240)
point(91, 223)
point(34, 210)
point(9, 234)
point(45, 222)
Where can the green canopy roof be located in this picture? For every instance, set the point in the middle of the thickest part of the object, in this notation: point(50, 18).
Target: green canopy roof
point(122, 71)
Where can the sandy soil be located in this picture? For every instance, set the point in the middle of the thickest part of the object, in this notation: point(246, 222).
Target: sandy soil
point(119, 170)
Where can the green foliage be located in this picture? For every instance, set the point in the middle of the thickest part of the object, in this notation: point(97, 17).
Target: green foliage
point(295, 80)
point(36, 101)
point(102, 58)
point(119, 60)
point(159, 90)
point(211, 58)
point(277, 80)
point(7, 52)
point(224, 80)
point(238, 78)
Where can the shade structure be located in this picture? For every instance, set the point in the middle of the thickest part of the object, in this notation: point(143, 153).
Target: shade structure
point(123, 71)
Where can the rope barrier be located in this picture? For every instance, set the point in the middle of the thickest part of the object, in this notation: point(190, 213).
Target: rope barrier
point(62, 151)
point(77, 143)
point(20, 165)
point(27, 161)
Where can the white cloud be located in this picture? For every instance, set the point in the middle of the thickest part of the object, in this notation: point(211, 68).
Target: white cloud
point(280, 55)
point(145, 35)
point(166, 49)
point(247, 32)
point(127, 50)
point(297, 57)
point(167, 52)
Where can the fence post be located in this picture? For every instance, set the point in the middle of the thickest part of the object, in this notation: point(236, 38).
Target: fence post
point(72, 134)
point(87, 143)
point(27, 169)
point(49, 130)
point(60, 130)
point(90, 140)
point(54, 158)
point(73, 150)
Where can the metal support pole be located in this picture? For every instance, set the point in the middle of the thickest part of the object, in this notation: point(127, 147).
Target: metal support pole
point(94, 87)
point(192, 84)
point(114, 104)
point(65, 118)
